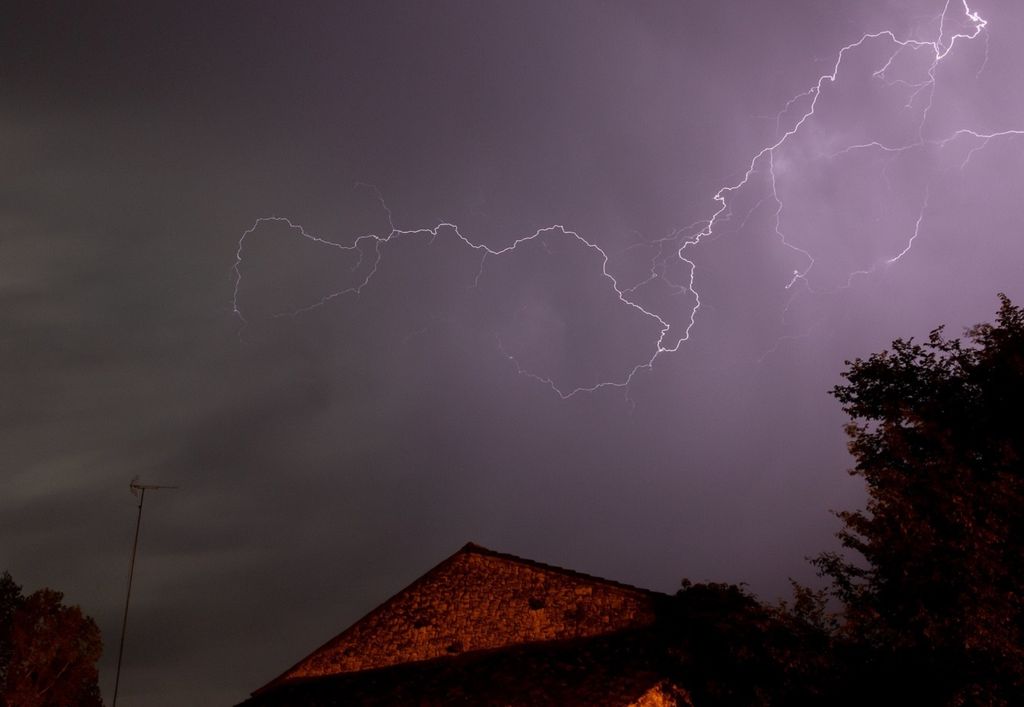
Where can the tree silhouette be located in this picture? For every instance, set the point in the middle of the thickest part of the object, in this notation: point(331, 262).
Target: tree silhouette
point(728, 649)
point(10, 598)
point(48, 651)
point(937, 433)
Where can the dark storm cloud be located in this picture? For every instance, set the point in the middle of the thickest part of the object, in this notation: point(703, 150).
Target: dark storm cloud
point(329, 458)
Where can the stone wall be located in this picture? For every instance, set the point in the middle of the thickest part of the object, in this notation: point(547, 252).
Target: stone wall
point(479, 600)
point(665, 694)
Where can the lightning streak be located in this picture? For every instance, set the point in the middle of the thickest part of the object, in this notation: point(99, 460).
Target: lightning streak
point(678, 244)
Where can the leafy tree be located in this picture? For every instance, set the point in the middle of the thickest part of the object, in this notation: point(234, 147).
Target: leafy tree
point(937, 433)
point(10, 598)
point(48, 651)
point(728, 649)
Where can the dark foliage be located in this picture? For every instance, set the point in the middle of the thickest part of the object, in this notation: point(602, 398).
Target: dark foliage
point(934, 609)
point(10, 598)
point(48, 651)
point(729, 649)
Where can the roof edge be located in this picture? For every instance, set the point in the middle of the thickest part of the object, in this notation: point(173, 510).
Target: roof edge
point(487, 552)
point(376, 610)
point(468, 548)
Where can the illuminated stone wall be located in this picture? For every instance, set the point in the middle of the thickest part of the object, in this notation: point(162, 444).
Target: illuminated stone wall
point(664, 694)
point(477, 600)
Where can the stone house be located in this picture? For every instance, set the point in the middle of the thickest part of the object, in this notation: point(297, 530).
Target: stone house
point(484, 628)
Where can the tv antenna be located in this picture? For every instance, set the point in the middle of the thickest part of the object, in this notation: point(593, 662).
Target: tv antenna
point(138, 490)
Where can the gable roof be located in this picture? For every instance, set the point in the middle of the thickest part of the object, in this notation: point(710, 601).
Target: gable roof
point(476, 600)
point(555, 569)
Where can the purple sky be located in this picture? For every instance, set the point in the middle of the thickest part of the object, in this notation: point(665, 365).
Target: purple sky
point(328, 458)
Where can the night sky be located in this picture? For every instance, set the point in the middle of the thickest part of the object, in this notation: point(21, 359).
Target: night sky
point(330, 449)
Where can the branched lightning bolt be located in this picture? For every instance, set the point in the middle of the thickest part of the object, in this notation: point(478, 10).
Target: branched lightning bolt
point(680, 242)
point(378, 242)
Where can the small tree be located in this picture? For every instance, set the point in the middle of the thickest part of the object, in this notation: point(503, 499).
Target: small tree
point(10, 599)
point(730, 650)
point(48, 651)
point(937, 433)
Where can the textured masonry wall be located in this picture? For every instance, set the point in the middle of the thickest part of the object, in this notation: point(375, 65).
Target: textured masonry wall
point(477, 601)
point(664, 695)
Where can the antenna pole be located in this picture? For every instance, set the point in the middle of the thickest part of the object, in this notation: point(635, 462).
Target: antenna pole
point(141, 488)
